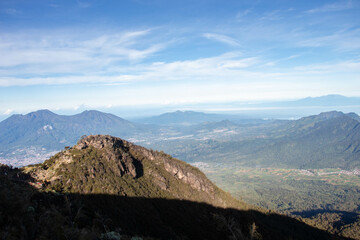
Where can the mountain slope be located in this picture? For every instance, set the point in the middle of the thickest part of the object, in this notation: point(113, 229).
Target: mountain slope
point(322, 101)
point(187, 118)
point(328, 100)
point(82, 168)
point(326, 140)
point(46, 130)
point(107, 188)
point(50, 130)
point(330, 139)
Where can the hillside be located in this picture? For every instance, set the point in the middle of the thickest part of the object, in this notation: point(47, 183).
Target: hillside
point(37, 133)
point(108, 188)
point(188, 118)
point(327, 140)
point(47, 129)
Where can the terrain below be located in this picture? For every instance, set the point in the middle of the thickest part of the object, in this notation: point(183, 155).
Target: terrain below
point(326, 198)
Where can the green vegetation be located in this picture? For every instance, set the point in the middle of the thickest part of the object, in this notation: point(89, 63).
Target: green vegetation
point(326, 140)
point(105, 187)
point(327, 198)
point(28, 213)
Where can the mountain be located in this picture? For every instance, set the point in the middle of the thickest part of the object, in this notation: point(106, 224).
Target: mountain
point(329, 139)
point(354, 116)
point(187, 118)
point(326, 140)
point(331, 100)
point(49, 130)
point(107, 188)
point(296, 108)
point(328, 100)
point(46, 130)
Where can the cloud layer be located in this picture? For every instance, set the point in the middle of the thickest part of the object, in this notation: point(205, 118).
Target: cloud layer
point(253, 52)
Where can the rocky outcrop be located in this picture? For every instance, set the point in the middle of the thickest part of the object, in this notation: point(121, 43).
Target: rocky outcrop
point(126, 163)
point(106, 164)
point(114, 150)
point(188, 176)
point(100, 142)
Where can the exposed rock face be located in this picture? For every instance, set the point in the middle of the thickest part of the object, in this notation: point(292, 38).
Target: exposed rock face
point(99, 142)
point(115, 152)
point(188, 177)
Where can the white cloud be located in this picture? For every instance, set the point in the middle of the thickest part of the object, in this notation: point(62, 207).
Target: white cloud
point(271, 16)
point(333, 7)
point(18, 81)
point(240, 15)
point(54, 50)
point(344, 40)
point(84, 4)
point(8, 112)
point(13, 11)
point(228, 68)
point(221, 38)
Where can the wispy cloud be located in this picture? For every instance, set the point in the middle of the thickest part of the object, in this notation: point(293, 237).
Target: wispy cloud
point(84, 4)
point(58, 52)
point(13, 11)
point(344, 40)
point(222, 66)
point(8, 112)
point(223, 78)
point(221, 38)
point(333, 7)
point(242, 14)
point(271, 16)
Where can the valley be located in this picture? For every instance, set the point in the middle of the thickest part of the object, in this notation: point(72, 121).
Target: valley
point(289, 190)
point(326, 198)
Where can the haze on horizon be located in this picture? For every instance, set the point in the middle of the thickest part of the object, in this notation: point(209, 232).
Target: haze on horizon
point(114, 54)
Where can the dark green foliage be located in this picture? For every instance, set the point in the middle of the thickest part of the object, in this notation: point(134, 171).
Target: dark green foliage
point(328, 140)
point(34, 214)
point(106, 187)
point(330, 202)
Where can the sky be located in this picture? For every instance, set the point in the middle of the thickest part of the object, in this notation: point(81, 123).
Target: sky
point(107, 54)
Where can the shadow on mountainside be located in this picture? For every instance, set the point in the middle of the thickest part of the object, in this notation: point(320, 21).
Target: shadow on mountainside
point(344, 216)
point(28, 213)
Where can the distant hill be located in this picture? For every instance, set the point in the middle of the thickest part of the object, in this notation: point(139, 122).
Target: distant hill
point(108, 188)
point(187, 118)
point(326, 140)
point(330, 139)
point(328, 100)
point(331, 100)
point(45, 129)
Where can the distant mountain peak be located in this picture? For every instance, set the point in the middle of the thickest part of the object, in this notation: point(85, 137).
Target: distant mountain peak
point(330, 115)
point(91, 112)
point(42, 113)
point(330, 96)
point(353, 116)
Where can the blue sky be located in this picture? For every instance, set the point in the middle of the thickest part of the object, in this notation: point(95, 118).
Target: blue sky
point(105, 54)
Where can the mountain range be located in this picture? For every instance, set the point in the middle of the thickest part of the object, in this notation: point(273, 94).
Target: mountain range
point(330, 139)
point(188, 118)
point(107, 188)
point(79, 179)
point(45, 129)
point(331, 100)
